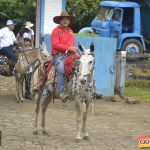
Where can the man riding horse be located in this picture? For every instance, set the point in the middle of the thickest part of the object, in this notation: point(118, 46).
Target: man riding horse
point(63, 45)
point(7, 39)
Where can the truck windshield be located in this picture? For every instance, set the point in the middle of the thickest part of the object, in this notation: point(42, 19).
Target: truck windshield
point(104, 13)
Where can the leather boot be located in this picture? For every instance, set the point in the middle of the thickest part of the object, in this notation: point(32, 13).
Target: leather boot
point(11, 70)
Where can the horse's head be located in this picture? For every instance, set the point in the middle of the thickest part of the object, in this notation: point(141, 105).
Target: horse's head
point(44, 53)
point(86, 66)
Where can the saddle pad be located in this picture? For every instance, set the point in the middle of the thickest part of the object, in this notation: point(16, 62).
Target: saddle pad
point(68, 65)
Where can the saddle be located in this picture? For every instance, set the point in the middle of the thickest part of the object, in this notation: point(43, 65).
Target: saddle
point(50, 71)
point(69, 67)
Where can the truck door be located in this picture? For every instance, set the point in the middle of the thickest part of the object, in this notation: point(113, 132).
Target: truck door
point(116, 23)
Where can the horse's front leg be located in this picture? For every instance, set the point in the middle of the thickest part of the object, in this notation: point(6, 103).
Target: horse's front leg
point(84, 131)
point(17, 91)
point(21, 89)
point(45, 103)
point(78, 120)
point(37, 98)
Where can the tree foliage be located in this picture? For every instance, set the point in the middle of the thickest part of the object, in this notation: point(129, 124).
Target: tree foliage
point(25, 10)
point(84, 10)
point(21, 10)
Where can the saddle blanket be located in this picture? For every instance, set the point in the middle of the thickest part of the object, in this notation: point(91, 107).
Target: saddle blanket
point(68, 65)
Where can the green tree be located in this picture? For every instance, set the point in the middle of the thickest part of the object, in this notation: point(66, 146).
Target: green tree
point(21, 10)
point(84, 10)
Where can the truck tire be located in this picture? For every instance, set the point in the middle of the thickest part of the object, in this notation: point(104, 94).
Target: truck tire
point(133, 47)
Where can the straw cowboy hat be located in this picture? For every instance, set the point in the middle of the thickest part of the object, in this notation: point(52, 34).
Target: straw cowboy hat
point(29, 24)
point(63, 14)
point(27, 27)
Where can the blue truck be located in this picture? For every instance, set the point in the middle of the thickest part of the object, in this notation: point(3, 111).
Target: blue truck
point(128, 21)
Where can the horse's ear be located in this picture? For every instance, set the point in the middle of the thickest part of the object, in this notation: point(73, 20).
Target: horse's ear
point(92, 47)
point(80, 47)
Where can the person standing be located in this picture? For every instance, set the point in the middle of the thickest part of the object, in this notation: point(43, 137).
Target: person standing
point(30, 26)
point(23, 34)
point(26, 38)
point(7, 39)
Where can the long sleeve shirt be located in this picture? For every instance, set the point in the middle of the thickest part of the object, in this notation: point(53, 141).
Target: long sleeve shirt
point(61, 40)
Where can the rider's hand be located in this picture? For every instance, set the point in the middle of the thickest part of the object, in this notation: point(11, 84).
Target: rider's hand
point(72, 49)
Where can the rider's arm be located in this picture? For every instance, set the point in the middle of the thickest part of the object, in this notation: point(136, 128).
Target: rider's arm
point(72, 43)
point(56, 42)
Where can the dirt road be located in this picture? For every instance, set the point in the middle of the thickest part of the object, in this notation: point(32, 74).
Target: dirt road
point(113, 126)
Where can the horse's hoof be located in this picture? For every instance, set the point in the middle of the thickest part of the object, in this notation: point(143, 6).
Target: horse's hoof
point(22, 100)
point(78, 140)
point(18, 101)
point(44, 132)
point(86, 137)
point(35, 132)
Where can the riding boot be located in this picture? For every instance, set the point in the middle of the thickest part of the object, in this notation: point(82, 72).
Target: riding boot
point(11, 70)
point(27, 86)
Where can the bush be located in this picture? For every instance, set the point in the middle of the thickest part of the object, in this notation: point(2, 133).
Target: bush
point(86, 34)
point(139, 72)
point(138, 83)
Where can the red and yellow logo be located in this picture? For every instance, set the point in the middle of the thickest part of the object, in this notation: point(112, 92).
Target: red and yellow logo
point(144, 141)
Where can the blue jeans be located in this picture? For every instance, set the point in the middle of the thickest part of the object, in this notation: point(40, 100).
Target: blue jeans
point(58, 62)
point(8, 51)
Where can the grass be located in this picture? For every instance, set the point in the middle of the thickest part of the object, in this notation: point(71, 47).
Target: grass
point(138, 83)
point(138, 88)
point(142, 94)
point(139, 71)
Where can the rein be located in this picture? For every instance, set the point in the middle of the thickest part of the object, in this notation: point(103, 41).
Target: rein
point(23, 51)
point(30, 65)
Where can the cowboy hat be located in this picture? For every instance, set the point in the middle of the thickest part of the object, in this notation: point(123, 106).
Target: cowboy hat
point(27, 27)
point(63, 14)
point(29, 24)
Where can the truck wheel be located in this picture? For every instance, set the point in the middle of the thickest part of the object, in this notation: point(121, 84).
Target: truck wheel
point(133, 47)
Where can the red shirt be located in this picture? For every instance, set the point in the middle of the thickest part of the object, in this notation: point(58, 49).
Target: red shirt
point(61, 40)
